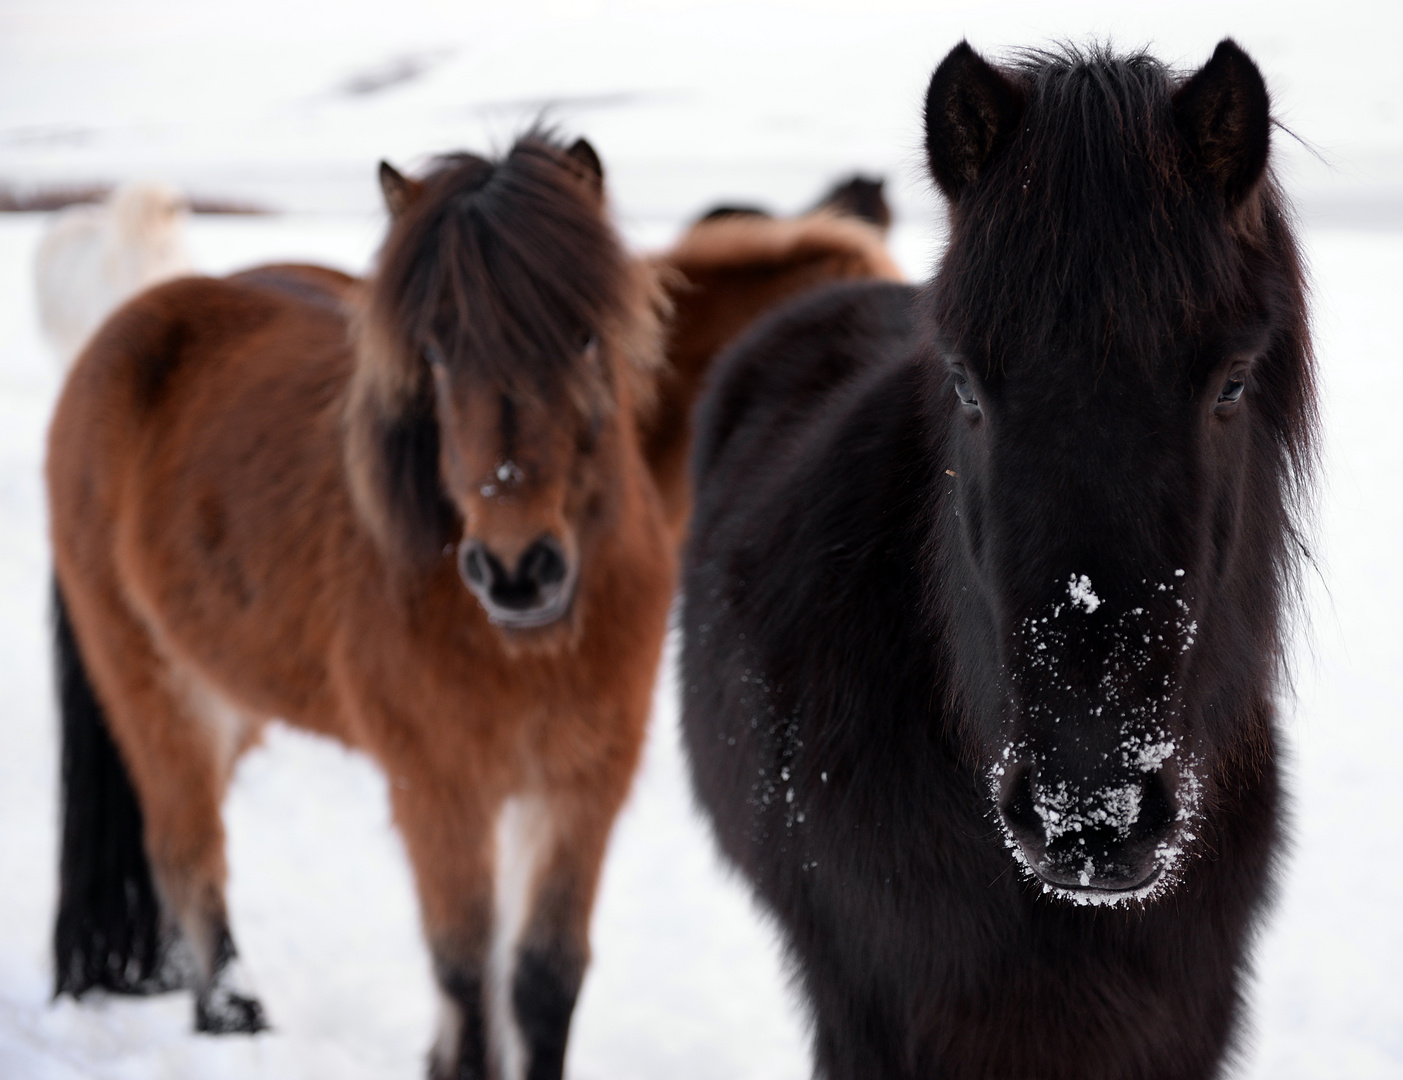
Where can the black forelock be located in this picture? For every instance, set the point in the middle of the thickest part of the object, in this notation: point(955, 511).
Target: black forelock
point(1088, 236)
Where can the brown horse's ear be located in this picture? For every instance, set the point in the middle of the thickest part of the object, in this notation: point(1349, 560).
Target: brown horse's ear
point(399, 191)
point(584, 155)
point(972, 111)
point(1224, 116)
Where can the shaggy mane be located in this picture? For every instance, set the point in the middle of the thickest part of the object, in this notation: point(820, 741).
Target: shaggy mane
point(753, 241)
point(507, 267)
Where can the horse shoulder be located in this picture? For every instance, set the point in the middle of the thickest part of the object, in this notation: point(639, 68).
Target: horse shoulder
point(788, 364)
point(774, 693)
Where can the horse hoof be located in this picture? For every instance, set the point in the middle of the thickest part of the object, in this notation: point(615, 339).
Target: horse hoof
point(226, 1013)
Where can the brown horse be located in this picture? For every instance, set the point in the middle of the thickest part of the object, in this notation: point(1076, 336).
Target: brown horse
point(733, 265)
point(268, 494)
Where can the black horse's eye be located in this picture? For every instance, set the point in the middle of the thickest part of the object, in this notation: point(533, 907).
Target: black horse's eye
point(1232, 389)
point(432, 354)
point(965, 392)
point(586, 341)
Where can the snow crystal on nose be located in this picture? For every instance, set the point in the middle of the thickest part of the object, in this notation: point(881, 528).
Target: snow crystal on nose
point(1120, 806)
point(1079, 589)
point(1147, 754)
point(1062, 810)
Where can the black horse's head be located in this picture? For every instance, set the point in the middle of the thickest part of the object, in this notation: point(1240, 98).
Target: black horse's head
point(1122, 387)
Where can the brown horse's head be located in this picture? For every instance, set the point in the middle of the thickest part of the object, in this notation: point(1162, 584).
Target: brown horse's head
point(505, 345)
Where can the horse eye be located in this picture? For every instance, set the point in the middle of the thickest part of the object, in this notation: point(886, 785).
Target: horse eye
point(1232, 389)
point(965, 393)
point(433, 356)
point(587, 341)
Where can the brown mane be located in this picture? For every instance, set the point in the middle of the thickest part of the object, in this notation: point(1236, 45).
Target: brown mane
point(759, 243)
point(483, 264)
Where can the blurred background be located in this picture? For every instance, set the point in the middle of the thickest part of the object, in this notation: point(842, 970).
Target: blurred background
point(275, 112)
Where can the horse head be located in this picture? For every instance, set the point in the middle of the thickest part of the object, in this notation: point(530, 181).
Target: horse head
point(1121, 383)
point(507, 342)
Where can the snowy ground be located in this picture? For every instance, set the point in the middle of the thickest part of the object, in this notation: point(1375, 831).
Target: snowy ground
point(687, 105)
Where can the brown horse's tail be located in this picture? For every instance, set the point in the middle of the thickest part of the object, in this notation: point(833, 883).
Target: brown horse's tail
point(109, 928)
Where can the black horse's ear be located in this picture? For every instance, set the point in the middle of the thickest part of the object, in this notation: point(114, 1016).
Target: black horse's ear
point(398, 189)
point(585, 156)
point(972, 111)
point(1224, 115)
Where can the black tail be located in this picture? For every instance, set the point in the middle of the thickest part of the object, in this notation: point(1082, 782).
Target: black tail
point(109, 928)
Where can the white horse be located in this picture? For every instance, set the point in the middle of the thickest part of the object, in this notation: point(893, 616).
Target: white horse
point(92, 258)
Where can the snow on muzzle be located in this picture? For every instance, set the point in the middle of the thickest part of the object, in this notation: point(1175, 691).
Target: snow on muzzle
point(1106, 827)
point(1095, 789)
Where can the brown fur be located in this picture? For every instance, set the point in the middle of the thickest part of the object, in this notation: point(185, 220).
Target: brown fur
point(722, 275)
point(228, 552)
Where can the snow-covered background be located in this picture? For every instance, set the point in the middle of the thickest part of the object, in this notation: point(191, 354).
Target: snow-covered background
point(290, 104)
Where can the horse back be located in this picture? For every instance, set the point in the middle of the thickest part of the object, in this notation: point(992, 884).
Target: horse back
point(318, 285)
point(182, 453)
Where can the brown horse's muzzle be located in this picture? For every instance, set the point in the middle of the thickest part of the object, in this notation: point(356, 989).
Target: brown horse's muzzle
point(535, 592)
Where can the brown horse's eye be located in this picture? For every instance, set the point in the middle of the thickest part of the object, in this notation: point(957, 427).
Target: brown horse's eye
point(586, 341)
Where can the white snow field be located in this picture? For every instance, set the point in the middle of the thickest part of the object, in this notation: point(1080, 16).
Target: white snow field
point(292, 103)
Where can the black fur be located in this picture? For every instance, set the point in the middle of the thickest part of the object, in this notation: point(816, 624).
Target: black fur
point(544, 990)
point(109, 932)
point(219, 1008)
point(1225, 120)
point(972, 112)
point(860, 197)
point(895, 486)
point(465, 987)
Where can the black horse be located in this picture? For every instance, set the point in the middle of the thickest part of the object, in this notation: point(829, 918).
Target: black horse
point(986, 588)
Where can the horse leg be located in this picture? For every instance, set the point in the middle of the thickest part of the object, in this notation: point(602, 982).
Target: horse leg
point(179, 740)
point(542, 947)
point(506, 897)
point(447, 835)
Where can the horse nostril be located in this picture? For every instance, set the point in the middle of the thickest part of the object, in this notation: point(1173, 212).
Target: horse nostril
point(533, 593)
point(1157, 811)
point(1018, 809)
point(1091, 831)
point(543, 563)
point(474, 564)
